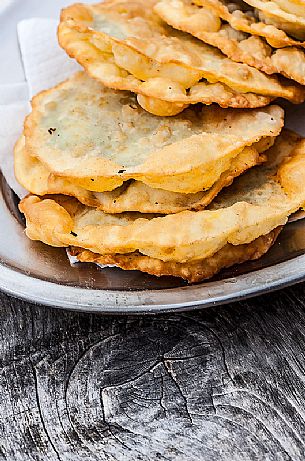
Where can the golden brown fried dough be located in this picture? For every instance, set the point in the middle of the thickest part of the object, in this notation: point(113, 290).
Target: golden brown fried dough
point(193, 272)
point(98, 138)
point(247, 20)
point(271, 12)
point(139, 43)
point(296, 7)
point(239, 46)
point(254, 206)
point(132, 196)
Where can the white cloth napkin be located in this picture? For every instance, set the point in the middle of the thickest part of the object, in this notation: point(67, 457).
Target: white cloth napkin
point(5, 4)
point(45, 65)
point(14, 93)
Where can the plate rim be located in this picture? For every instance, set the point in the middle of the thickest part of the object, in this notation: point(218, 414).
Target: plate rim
point(198, 296)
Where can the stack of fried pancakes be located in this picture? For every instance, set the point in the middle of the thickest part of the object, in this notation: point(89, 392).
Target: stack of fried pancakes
point(135, 162)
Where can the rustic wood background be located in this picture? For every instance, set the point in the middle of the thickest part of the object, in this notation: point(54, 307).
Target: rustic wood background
point(226, 383)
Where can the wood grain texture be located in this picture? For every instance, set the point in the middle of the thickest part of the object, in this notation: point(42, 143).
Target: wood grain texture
point(226, 383)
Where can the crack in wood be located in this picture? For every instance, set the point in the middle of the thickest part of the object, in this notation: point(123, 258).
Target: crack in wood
point(224, 383)
point(167, 365)
point(41, 415)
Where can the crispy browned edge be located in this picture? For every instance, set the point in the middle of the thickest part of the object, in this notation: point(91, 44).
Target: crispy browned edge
point(193, 272)
point(88, 198)
point(238, 100)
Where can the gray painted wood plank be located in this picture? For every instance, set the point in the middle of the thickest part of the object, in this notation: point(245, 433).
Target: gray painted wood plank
point(226, 383)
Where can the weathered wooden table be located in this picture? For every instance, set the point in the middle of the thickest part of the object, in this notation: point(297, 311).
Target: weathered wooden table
point(226, 383)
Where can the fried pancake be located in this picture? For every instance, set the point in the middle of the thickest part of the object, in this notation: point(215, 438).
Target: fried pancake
point(237, 45)
point(194, 271)
point(296, 7)
point(164, 97)
point(99, 138)
point(159, 95)
point(133, 195)
point(247, 20)
point(147, 48)
point(255, 205)
point(271, 12)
